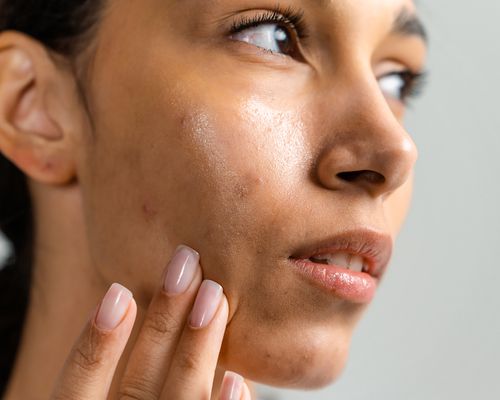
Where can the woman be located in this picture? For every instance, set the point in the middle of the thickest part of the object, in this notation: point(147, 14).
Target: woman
point(257, 147)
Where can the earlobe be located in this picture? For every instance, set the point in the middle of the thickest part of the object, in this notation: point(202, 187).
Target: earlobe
point(30, 135)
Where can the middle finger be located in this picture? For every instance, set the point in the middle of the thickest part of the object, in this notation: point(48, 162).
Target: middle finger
point(152, 354)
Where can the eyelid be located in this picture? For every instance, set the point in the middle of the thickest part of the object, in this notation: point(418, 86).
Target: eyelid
point(290, 16)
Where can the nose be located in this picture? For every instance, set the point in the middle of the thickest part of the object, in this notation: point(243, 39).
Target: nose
point(366, 149)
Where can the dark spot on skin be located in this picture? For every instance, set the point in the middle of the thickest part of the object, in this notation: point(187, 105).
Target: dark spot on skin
point(248, 184)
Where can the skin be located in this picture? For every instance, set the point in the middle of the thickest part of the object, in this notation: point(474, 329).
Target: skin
point(177, 134)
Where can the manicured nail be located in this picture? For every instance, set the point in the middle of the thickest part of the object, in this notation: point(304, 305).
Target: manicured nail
point(113, 307)
point(181, 270)
point(232, 386)
point(206, 304)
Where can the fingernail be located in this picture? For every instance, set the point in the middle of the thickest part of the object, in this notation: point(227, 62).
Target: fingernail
point(181, 270)
point(232, 386)
point(206, 304)
point(113, 307)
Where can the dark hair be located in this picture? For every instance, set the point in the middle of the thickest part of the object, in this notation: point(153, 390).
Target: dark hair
point(62, 26)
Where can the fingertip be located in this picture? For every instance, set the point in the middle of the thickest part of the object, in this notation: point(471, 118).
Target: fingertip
point(232, 386)
point(131, 312)
point(114, 308)
point(223, 312)
point(246, 392)
point(224, 306)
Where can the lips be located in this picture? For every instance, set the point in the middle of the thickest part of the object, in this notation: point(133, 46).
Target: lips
point(348, 265)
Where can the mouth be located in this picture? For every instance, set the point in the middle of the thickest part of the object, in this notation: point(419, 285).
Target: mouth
point(349, 265)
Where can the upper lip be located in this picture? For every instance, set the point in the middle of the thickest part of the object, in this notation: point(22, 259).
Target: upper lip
point(375, 247)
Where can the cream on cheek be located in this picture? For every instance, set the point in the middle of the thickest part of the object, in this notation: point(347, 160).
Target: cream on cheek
point(281, 137)
point(250, 137)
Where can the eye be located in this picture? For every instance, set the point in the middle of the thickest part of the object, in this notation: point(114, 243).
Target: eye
point(277, 31)
point(401, 85)
point(271, 37)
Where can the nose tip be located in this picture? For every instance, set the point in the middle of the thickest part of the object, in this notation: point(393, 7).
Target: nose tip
point(377, 164)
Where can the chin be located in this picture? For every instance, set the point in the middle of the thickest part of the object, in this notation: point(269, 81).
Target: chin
point(292, 359)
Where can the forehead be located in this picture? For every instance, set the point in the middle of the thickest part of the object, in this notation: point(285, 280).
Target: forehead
point(325, 5)
point(335, 14)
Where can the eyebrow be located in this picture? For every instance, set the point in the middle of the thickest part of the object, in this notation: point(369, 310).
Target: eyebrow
point(408, 24)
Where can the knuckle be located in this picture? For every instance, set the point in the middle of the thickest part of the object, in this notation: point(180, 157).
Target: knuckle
point(86, 360)
point(87, 355)
point(129, 394)
point(162, 323)
point(136, 390)
point(189, 362)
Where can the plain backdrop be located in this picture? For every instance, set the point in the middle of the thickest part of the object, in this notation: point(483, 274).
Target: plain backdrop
point(433, 331)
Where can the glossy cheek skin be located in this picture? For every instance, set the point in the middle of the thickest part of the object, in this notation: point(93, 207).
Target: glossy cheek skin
point(188, 150)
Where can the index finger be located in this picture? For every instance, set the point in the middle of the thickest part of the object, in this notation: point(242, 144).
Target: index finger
point(163, 324)
point(90, 367)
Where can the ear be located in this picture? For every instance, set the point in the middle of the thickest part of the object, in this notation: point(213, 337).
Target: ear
point(38, 111)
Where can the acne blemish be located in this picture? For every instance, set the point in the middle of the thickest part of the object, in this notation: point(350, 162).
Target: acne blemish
point(148, 211)
point(47, 165)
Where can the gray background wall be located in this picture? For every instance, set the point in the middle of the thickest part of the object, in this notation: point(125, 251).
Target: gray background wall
point(433, 331)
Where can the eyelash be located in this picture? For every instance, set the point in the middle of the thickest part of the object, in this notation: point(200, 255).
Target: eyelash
point(414, 83)
point(294, 20)
point(290, 17)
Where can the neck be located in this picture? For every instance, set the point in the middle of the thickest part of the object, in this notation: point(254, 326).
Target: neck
point(65, 288)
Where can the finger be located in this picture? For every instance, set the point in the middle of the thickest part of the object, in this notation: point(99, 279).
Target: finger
point(246, 392)
point(193, 367)
point(233, 387)
point(90, 367)
point(163, 324)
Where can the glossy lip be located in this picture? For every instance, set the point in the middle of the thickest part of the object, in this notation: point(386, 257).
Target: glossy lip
point(359, 287)
point(374, 247)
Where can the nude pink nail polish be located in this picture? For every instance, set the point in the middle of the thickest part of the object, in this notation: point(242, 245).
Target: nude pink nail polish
point(181, 270)
point(206, 304)
point(232, 386)
point(113, 307)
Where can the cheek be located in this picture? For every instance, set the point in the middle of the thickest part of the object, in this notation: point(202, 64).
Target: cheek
point(227, 178)
point(198, 170)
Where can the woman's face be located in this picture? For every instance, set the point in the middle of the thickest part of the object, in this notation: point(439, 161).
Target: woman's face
point(202, 137)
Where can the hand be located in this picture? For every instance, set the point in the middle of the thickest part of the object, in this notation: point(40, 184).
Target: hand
point(175, 355)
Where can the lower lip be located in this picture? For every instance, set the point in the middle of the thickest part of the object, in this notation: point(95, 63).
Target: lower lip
point(356, 287)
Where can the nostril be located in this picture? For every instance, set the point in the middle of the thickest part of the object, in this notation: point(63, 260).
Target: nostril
point(368, 176)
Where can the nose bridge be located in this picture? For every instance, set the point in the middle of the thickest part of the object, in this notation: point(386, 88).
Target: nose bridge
point(368, 148)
